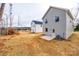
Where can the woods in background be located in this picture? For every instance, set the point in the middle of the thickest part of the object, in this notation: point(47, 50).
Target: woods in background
point(77, 28)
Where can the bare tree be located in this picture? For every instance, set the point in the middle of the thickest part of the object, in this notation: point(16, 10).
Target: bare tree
point(77, 12)
point(1, 14)
point(10, 15)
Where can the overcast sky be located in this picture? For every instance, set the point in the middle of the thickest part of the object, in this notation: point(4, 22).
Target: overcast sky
point(35, 9)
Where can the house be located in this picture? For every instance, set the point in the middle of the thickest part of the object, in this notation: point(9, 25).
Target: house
point(36, 26)
point(58, 23)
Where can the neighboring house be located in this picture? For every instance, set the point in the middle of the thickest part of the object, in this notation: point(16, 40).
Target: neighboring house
point(36, 26)
point(58, 23)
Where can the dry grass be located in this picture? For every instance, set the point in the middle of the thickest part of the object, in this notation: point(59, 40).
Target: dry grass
point(30, 44)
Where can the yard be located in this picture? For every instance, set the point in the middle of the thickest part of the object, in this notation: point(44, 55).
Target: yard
point(30, 44)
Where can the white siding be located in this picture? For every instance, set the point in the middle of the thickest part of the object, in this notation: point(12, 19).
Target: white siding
point(60, 27)
point(36, 27)
point(33, 27)
point(69, 26)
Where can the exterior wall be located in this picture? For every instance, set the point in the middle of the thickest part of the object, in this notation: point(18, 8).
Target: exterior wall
point(69, 26)
point(36, 27)
point(60, 27)
point(33, 27)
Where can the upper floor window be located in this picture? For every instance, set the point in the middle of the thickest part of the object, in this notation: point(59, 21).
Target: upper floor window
point(46, 21)
point(56, 19)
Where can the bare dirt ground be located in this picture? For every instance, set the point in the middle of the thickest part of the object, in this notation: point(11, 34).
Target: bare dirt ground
point(29, 44)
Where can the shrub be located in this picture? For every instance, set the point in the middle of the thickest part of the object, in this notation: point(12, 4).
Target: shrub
point(77, 28)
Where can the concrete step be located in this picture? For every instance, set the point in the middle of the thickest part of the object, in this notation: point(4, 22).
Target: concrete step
point(47, 37)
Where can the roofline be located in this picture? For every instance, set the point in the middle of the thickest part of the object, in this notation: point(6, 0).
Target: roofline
point(37, 21)
point(64, 9)
point(70, 14)
point(46, 12)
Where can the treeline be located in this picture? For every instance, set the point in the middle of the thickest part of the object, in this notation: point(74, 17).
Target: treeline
point(77, 28)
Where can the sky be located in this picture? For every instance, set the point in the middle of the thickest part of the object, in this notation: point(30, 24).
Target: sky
point(35, 9)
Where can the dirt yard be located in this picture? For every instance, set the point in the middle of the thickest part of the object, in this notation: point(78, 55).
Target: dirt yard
point(29, 44)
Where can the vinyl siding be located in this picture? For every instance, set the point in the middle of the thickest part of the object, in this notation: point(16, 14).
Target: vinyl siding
point(36, 27)
point(60, 27)
point(69, 26)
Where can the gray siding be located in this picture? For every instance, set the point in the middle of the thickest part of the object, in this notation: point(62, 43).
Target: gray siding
point(36, 27)
point(69, 26)
point(60, 27)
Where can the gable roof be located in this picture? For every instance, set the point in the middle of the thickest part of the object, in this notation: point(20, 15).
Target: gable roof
point(67, 10)
point(37, 22)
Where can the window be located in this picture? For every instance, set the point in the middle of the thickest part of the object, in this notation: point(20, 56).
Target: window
point(46, 29)
point(46, 21)
point(53, 30)
point(56, 19)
